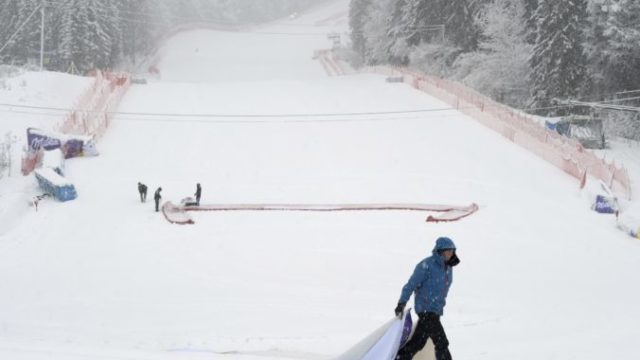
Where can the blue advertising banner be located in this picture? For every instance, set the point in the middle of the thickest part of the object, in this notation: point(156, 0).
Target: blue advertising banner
point(71, 146)
point(605, 205)
point(37, 140)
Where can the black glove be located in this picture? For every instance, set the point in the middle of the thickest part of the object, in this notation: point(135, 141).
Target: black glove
point(453, 261)
point(399, 309)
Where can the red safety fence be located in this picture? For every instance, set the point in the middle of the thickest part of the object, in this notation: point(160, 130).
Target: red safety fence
point(94, 109)
point(175, 214)
point(520, 128)
point(331, 66)
point(91, 113)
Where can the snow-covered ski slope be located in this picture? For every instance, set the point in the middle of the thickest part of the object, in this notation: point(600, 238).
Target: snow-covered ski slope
point(105, 277)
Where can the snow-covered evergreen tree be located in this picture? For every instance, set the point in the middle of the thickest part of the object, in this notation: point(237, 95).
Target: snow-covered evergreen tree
point(460, 29)
point(500, 66)
point(375, 31)
point(26, 43)
point(93, 33)
point(622, 53)
point(101, 32)
point(530, 7)
point(558, 60)
point(87, 33)
point(597, 47)
point(396, 34)
point(8, 25)
point(72, 32)
point(357, 15)
point(613, 60)
point(139, 20)
point(423, 18)
point(410, 22)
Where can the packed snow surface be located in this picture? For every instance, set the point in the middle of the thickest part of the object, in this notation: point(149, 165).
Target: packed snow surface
point(106, 277)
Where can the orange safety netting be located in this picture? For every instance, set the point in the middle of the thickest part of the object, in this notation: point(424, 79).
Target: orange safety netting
point(565, 153)
point(92, 112)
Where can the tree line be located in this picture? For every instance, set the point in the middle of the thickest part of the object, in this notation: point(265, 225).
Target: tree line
point(84, 34)
point(531, 54)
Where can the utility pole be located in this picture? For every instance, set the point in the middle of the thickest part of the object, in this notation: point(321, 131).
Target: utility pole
point(42, 37)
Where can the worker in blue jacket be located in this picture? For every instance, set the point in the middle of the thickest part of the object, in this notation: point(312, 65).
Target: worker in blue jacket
point(430, 282)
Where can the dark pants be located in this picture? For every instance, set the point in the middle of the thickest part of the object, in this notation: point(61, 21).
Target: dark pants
point(157, 204)
point(143, 196)
point(429, 327)
point(198, 200)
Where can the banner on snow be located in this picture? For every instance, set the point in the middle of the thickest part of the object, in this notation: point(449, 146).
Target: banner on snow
point(70, 145)
point(630, 225)
point(383, 343)
point(600, 196)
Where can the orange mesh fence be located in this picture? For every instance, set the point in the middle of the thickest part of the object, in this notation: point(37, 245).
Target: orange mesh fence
point(92, 114)
point(329, 63)
point(565, 153)
point(94, 108)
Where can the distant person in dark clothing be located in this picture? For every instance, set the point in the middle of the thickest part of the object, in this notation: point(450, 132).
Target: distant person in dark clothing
point(157, 198)
point(198, 194)
point(142, 189)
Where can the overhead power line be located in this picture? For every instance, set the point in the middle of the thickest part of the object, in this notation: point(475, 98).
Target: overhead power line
point(370, 116)
point(603, 105)
point(214, 115)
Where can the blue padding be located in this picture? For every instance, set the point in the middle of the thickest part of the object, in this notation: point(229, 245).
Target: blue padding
point(54, 184)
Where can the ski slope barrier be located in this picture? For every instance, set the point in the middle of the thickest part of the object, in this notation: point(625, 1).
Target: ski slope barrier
point(176, 214)
point(52, 183)
point(565, 153)
point(331, 66)
point(93, 112)
point(88, 120)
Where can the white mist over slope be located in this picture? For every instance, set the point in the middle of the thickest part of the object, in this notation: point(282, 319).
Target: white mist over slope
point(106, 277)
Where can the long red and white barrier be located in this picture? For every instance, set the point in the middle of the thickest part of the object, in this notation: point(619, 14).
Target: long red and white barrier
point(93, 112)
point(565, 153)
point(329, 63)
point(177, 214)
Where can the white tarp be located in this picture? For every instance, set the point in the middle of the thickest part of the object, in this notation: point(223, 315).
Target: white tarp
point(387, 346)
point(384, 343)
point(382, 339)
